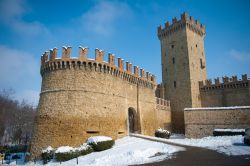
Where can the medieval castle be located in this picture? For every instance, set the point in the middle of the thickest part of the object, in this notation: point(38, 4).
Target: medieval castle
point(82, 97)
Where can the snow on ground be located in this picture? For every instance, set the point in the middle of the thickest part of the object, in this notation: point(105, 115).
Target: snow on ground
point(229, 145)
point(126, 151)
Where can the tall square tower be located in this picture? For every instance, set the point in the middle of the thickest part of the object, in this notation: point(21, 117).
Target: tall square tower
point(183, 65)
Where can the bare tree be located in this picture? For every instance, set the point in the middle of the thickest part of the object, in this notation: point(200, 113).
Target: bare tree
point(16, 119)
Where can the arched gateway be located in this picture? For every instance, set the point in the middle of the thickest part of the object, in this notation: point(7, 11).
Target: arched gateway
point(132, 120)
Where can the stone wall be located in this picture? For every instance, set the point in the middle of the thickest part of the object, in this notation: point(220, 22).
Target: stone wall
point(82, 98)
point(232, 92)
point(200, 122)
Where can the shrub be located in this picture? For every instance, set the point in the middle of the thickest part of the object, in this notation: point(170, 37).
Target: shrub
point(162, 133)
point(47, 155)
point(67, 153)
point(102, 145)
point(3, 149)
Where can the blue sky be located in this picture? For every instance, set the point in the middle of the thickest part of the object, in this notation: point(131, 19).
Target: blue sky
point(125, 28)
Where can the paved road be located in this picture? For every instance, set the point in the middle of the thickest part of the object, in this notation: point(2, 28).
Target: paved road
point(194, 156)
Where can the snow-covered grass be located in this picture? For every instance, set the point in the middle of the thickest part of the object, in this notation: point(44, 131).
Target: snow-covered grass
point(126, 151)
point(229, 145)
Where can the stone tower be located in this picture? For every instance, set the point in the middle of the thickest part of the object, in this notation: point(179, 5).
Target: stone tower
point(183, 65)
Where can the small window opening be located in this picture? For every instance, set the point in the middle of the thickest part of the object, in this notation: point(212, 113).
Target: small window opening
point(173, 61)
point(166, 69)
point(174, 84)
point(196, 45)
point(172, 46)
point(202, 65)
point(92, 132)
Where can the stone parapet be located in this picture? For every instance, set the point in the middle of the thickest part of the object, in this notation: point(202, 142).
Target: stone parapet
point(162, 104)
point(226, 83)
point(176, 25)
point(50, 62)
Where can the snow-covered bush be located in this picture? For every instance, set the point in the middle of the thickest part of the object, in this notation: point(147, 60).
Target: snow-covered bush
point(100, 143)
point(162, 133)
point(65, 153)
point(47, 154)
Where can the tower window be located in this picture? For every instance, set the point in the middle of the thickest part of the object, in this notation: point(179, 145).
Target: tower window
point(202, 64)
point(166, 69)
point(174, 84)
point(172, 46)
point(196, 45)
point(173, 61)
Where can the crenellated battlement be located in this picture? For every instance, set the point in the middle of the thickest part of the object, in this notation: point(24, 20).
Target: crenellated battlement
point(162, 104)
point(225, 82)
point(185, 21)
point(50, 61)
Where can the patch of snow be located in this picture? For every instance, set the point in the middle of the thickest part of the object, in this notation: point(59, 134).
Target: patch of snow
point(231, 130)
point(217, 108)
point(64, 149)
point(48, 149)
point(177, 136)
point(160, 130)
point(229, 145)
point(126, 151)
point(96, 139)
point(84, 146)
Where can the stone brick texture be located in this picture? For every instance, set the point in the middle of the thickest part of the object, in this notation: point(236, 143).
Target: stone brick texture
point(77, 102)
point(201, 123)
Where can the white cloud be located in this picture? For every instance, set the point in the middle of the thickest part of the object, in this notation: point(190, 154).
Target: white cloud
point(11, 14)
point(103, 16)
point(240, 55)
point(19, 70)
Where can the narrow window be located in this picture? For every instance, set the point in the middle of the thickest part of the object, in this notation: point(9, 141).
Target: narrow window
point(166, 69)
point(202, 65)
point(174, 84)
point(172, 46)
point(173, 61)
point(196, 45)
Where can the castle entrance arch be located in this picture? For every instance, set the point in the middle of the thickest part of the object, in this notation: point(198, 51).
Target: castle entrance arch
point(132, 120)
